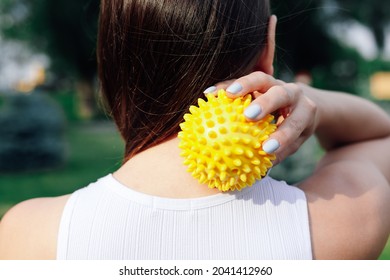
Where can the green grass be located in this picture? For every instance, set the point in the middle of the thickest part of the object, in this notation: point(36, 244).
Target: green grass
point(386, 252)
point(95, 150)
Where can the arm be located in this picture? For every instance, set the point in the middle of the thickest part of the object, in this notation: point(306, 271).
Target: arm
point(337, 119)
point(344, 119)
point(349, 201)
point(348, 194)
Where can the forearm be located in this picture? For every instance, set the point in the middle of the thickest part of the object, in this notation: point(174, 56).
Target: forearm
point(344, 119)
point(373, 152)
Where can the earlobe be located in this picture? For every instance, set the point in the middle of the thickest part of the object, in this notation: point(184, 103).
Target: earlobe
point(266, 59)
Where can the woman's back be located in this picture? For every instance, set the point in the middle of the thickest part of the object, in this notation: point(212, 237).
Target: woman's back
point(107, 220)
point(154, 56)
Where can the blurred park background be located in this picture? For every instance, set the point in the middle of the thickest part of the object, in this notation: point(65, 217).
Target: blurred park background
point(54, 135)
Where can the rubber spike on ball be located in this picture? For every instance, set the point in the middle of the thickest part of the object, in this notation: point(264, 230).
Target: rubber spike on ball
point(216, 133)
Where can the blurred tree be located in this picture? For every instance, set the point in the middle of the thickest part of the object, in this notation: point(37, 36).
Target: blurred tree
point(305, 43)
point(32, 133)
point(66, 31)
point(375, 14)
point(302, 40)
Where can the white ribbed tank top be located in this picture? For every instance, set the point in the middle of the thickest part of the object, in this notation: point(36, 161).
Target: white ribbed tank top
point(107, 220)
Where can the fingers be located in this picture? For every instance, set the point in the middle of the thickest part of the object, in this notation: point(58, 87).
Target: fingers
point(278, 97)
point(218, 86)
point(297, 112)
point(256, 81)
point(293, 131)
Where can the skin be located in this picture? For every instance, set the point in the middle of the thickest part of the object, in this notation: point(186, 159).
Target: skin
point(348, 194)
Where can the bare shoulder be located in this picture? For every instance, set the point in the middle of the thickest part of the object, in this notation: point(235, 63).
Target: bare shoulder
point(348, 205)
point(29, 229)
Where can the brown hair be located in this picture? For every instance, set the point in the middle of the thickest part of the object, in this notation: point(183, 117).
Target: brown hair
point(156, 57)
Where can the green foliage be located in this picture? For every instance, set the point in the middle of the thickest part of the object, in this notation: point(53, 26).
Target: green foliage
point(386, 252)
point(373, 13)
point(95, 149)
point(31, 129)
point(68, 102)
point(302, 40)
point(65, 29)
point(342, 73)
point(300, 165)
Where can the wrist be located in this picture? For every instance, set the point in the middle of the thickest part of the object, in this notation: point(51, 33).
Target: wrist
point(323, 113)
point(314, 100)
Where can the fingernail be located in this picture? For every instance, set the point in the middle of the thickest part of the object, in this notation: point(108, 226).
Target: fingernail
point(210, 89)
point(271, 146)
point(252, 111)
point(234, 88)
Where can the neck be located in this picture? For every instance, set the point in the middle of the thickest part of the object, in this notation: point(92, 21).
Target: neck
point(160, 171)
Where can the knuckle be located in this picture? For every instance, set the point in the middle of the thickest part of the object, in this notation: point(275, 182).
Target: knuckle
point(280, 82)
point(294, 87)
point(244, 81)
point(266, 99)
point(294, 91)
point(222, 85)
point(296, 125)
point(285, 93)
point(261, 77)
point(258, 74)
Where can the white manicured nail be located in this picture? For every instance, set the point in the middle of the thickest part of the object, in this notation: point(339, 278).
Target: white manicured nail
point(210, 89)
point(234, 88)
point(271, 146)
point(252, 111)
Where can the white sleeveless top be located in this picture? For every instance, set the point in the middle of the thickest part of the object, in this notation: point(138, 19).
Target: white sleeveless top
point(108, 220)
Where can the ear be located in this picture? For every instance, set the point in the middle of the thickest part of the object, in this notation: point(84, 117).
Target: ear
point(266, 59)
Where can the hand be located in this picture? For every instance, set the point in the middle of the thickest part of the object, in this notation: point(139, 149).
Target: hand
point(296, 114)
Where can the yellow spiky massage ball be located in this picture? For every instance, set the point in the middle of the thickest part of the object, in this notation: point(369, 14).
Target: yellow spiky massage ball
point(221, 148)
